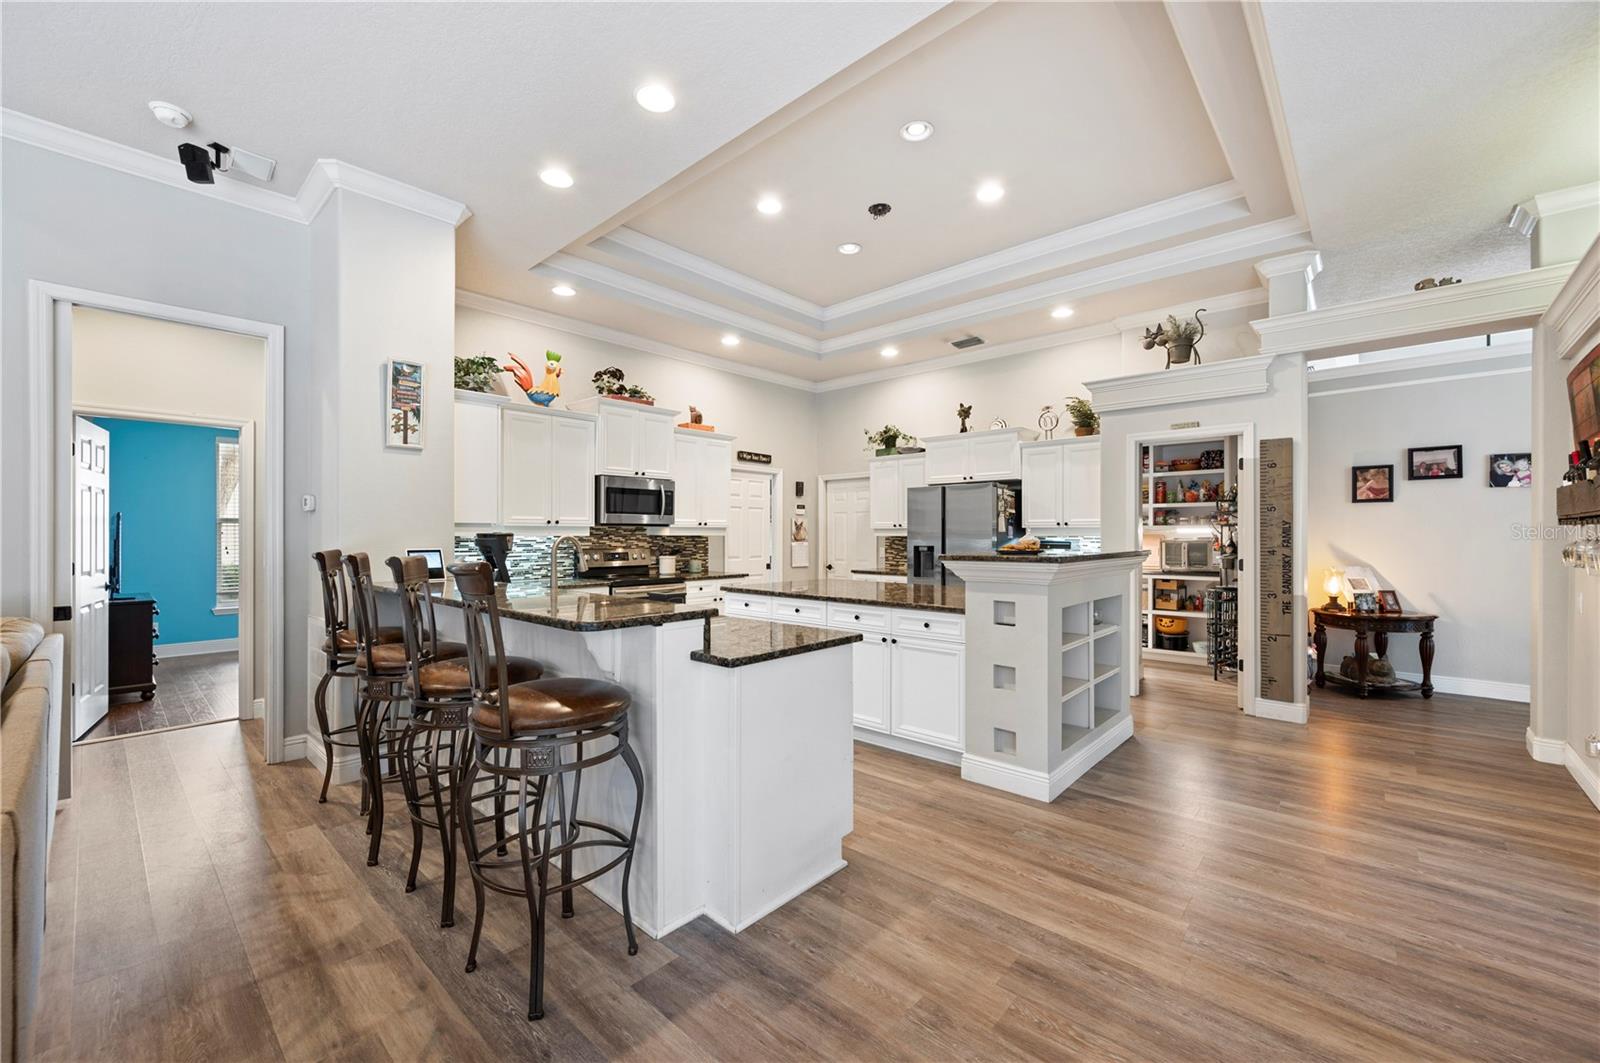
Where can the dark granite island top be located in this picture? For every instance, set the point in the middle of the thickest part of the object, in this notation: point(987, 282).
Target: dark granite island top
point(732, 642)
point(935, 597)
point(1046, 557)
point(576, 610)
point(879, 572)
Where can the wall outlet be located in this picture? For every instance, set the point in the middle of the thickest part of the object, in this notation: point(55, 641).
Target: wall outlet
point(1593, 743)
point(308, 503)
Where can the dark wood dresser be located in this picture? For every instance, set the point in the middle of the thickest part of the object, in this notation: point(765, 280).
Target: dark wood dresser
point(132, 650)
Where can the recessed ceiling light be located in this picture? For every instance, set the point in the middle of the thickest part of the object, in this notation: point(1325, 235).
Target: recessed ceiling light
point(170, 114)
point(566, 291)
point(849, 249)
point(730, 340)
point(655, 98)
point(556, 177)
point(1061, 312)
point(915, 131)
point(769, 205)
point(889, 352)
point(990, 192)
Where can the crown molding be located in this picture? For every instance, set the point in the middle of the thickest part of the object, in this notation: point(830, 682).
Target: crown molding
point(1305, 263)
point(976, 357)
point(1216, 305)
point(1267, 71)
point(1574, 314)
point(635, 246)
point(1200, 383)
point(1494, 304)
point(1525, 216)
point(588, 329)
point(326, 176)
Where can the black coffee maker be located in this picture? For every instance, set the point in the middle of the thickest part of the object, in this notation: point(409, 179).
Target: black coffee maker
point(495, 548)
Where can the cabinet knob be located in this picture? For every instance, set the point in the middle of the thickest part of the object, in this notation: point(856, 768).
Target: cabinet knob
point(884, 639)
point(858, 616)
point(926, 624)
point(895, 641)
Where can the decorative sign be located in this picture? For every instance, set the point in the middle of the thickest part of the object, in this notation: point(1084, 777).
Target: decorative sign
point(1282, 662)
point(1185, 424)
point(403, 411)
point(751, 457)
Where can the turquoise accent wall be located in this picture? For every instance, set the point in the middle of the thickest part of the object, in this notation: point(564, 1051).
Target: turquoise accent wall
point(164, 481)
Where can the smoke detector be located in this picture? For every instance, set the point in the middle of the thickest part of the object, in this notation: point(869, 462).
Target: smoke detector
point(170, 114)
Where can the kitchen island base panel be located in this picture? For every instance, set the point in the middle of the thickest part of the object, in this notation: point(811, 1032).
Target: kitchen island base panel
point(1047, 786)
point(884, 740)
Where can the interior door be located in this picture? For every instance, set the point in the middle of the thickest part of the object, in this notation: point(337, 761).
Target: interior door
point(863, 544)
point(91, 612)
point(749, 540)
point(837, 561)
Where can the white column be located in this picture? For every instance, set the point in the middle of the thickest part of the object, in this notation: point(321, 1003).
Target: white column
point(1288, 280)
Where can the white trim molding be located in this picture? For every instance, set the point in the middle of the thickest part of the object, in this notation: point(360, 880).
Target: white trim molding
point(1194, 384)
point(1544, 750)
point(1472, 307)
point(1468, 687)
point(319, 184)
point(1284, 711)
point(195, 649)
point(1525, 216)
point(1037, 785)
point(1583, 773)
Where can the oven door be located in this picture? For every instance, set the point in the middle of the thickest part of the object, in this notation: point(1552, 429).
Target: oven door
point(634, 500)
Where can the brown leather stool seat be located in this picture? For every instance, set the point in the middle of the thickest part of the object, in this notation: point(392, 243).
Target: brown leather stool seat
point(391, 657)
point(347, 639)
point(557, 704)
point(451, 678)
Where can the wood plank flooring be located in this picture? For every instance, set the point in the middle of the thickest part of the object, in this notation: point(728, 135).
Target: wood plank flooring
point(189, 690)
point(1397, 881)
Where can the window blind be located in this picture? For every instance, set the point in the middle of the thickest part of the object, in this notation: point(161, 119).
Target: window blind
point(227, 523)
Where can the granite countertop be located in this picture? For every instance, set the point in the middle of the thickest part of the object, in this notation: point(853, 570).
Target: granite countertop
point(935, 597)
point(877, 572)
point(576, 610)
point(1046, 557)
point(732, 642)
point(700, 577)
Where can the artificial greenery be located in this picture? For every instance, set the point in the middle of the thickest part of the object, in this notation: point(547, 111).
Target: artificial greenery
point(476, 373)
point(1174, 333)
point(888, 438)
point(609, 381)
point(1082, 414)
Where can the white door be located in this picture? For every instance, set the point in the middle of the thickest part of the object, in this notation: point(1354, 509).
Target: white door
point(870, 673)
point(928, 691)
point(91, 611)
point(851, 544)
point(1081, 504)
point(525, 469)
point(1041, 487)
point(572, 471)
point(749, 545)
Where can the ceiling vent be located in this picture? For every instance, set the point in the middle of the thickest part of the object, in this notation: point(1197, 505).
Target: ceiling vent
point(967, 341)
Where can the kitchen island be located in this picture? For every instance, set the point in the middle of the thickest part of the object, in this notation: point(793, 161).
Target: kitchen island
point(742, 730)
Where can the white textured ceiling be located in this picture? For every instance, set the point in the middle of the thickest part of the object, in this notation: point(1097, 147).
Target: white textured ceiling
point(1417, 126)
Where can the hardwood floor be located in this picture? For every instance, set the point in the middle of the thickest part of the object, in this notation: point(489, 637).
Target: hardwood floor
point(1397, 881)
point(189, 690)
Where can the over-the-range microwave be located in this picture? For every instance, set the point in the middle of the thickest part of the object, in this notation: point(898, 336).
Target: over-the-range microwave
point(638, 501)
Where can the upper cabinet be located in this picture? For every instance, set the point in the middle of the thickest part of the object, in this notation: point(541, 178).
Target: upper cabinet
point(702, 464)
point(635, 440)
point(521, 466)
point(992, 455)
point(888, 480)
point(1061, 484)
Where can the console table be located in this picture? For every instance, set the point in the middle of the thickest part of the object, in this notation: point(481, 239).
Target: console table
point(1379, 626)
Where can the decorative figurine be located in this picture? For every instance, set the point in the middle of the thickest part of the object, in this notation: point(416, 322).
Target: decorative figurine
point(550, 387)
point(998, 423)
point(1048, 420)
point(1428, 282)
point(1179, 338)
point(963, 411)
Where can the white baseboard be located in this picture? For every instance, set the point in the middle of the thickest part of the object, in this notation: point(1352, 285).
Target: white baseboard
point(346, 762)
point(258, 708)
point(1043, 786)
point(1473, 688)
point(906, 745)
point(1287, 711)
point(1544, 750)
point(194, 649)
point(1580, 769)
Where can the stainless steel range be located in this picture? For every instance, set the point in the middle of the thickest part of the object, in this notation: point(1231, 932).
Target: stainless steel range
point(628, 574)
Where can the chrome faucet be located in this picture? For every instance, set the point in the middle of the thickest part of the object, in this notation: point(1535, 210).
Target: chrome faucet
point(555, 553)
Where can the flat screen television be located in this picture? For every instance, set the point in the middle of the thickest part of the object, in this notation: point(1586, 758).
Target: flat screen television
point(114, 562)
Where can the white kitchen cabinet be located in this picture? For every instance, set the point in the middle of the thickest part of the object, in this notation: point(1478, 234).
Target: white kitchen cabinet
point(888, 480)
point(926, 703)
point(546, 468)
point(870, 668)
point(702, 464)
point(705, 594)
point(635, 440)
point(1061, 485)
point(477, 460)
point(970, 456)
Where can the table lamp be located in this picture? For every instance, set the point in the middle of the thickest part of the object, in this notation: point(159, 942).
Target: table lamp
point(1333, 585)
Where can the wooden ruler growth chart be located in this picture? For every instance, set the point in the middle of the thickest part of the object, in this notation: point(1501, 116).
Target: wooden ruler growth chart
point(1282, 662)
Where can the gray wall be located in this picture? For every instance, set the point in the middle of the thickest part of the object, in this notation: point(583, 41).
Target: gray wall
point(1447, 546)
point(74, 223)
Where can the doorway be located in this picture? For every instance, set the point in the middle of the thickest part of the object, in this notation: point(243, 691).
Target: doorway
point(752, 516)
point(848, 545)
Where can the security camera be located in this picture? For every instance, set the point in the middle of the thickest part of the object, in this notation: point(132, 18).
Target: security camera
point(200, 163)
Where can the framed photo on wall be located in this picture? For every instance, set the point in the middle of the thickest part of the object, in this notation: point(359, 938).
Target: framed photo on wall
point(403, 405)
point(1372, 483)
point(1434, 463)
point(1510, 470)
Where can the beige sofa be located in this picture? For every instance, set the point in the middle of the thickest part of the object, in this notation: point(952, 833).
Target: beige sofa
point(30, 729)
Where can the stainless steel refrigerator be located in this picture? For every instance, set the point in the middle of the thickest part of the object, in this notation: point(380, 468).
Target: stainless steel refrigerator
point(975, 518)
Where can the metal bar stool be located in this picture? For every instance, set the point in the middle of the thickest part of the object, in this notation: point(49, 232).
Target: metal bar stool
point(529, 737)
point(339, 648)
point(430, 748)
point(381, 670)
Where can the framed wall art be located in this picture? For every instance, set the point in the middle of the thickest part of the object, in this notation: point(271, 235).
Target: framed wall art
point(403, 405)
point(1510, 470)
point(1434, 463)
point(1372, 483)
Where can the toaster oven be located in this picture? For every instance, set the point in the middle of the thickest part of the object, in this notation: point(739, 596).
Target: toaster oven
point(1188, 555)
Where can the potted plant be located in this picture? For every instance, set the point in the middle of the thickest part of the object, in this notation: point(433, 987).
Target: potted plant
point(1178, 337)
point(887, 440)
point(608, 382)
point(476, 373)
point(1085, 422)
